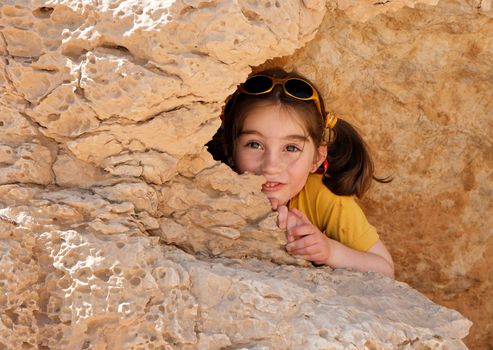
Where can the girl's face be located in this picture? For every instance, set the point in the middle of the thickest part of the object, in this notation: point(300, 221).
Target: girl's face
point(273, 143)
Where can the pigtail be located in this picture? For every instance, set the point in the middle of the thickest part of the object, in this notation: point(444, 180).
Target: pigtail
point(350, 169)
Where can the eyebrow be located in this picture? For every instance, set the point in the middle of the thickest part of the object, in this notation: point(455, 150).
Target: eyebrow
point(296, 137)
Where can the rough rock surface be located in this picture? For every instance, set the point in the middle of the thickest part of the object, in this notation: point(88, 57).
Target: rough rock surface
point(418, 83)
point(119, 231)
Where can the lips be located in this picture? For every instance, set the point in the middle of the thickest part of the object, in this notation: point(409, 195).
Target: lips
point(272, 186)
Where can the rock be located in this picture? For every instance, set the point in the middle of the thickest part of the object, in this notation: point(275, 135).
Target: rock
point(119, 231)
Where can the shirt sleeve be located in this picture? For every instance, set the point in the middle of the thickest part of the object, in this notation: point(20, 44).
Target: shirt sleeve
point(348, 224)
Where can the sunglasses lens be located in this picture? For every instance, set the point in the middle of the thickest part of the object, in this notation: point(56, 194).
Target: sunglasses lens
point(298, 88)
point(257, 84)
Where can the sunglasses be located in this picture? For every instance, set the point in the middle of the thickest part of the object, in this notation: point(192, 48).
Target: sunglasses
point(293, 87)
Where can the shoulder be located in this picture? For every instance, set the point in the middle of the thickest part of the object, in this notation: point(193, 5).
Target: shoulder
point(327, 205)
point(317, 190)
point(339, 216)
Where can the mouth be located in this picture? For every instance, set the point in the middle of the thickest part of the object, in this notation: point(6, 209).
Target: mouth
point(272, 186)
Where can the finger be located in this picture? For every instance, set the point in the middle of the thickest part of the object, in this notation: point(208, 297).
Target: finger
point(300, 215)
point(282, 218)
point(300, 243)
point(304, 249)
point(292, 221)
point(274, 203)
point(312, 253)
point(300, 231)
point(317, 258)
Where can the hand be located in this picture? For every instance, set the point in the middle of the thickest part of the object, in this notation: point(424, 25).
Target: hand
point(274, 203)
point(308, 242)
point(286, 220)
point(305, 240)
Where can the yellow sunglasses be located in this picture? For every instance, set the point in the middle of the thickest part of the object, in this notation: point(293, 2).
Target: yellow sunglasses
point(293, 87)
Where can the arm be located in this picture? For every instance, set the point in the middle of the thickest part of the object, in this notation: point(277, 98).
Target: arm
point(377, 258)
point(308, 242)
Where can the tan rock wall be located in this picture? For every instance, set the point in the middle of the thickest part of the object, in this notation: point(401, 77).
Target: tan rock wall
point(119, 231)
point(418, 82)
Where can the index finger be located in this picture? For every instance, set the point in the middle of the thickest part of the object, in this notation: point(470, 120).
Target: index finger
point(282, 218)
point(274, 203)
point(300, 215)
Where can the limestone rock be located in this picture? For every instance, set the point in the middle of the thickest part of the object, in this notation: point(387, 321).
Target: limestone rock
point(144, 293)
point(28, 163)
point(119, 231)
point(18, 300)
point(418, 83)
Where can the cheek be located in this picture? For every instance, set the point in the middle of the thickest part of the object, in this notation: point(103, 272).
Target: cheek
point(302, 169)
point(242, 163)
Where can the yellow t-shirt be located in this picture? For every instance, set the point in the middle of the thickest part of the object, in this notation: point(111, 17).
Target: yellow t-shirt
point(340, 217)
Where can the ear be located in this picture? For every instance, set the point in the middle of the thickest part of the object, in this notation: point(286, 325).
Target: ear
point(320, 156)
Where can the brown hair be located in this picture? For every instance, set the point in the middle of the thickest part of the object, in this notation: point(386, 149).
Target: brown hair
point(350, 168)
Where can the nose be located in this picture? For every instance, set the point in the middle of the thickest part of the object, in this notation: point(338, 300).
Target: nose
point(271, 163)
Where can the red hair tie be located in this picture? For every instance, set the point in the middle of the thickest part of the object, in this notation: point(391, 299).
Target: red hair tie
point(326, 165)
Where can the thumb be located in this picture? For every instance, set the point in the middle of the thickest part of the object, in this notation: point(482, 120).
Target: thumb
point(274, 203)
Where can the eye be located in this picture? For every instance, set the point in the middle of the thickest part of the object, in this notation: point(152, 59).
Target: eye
point(254, 145)
point(293, 148)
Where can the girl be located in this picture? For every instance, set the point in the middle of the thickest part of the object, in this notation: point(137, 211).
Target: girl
point(275, 125)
